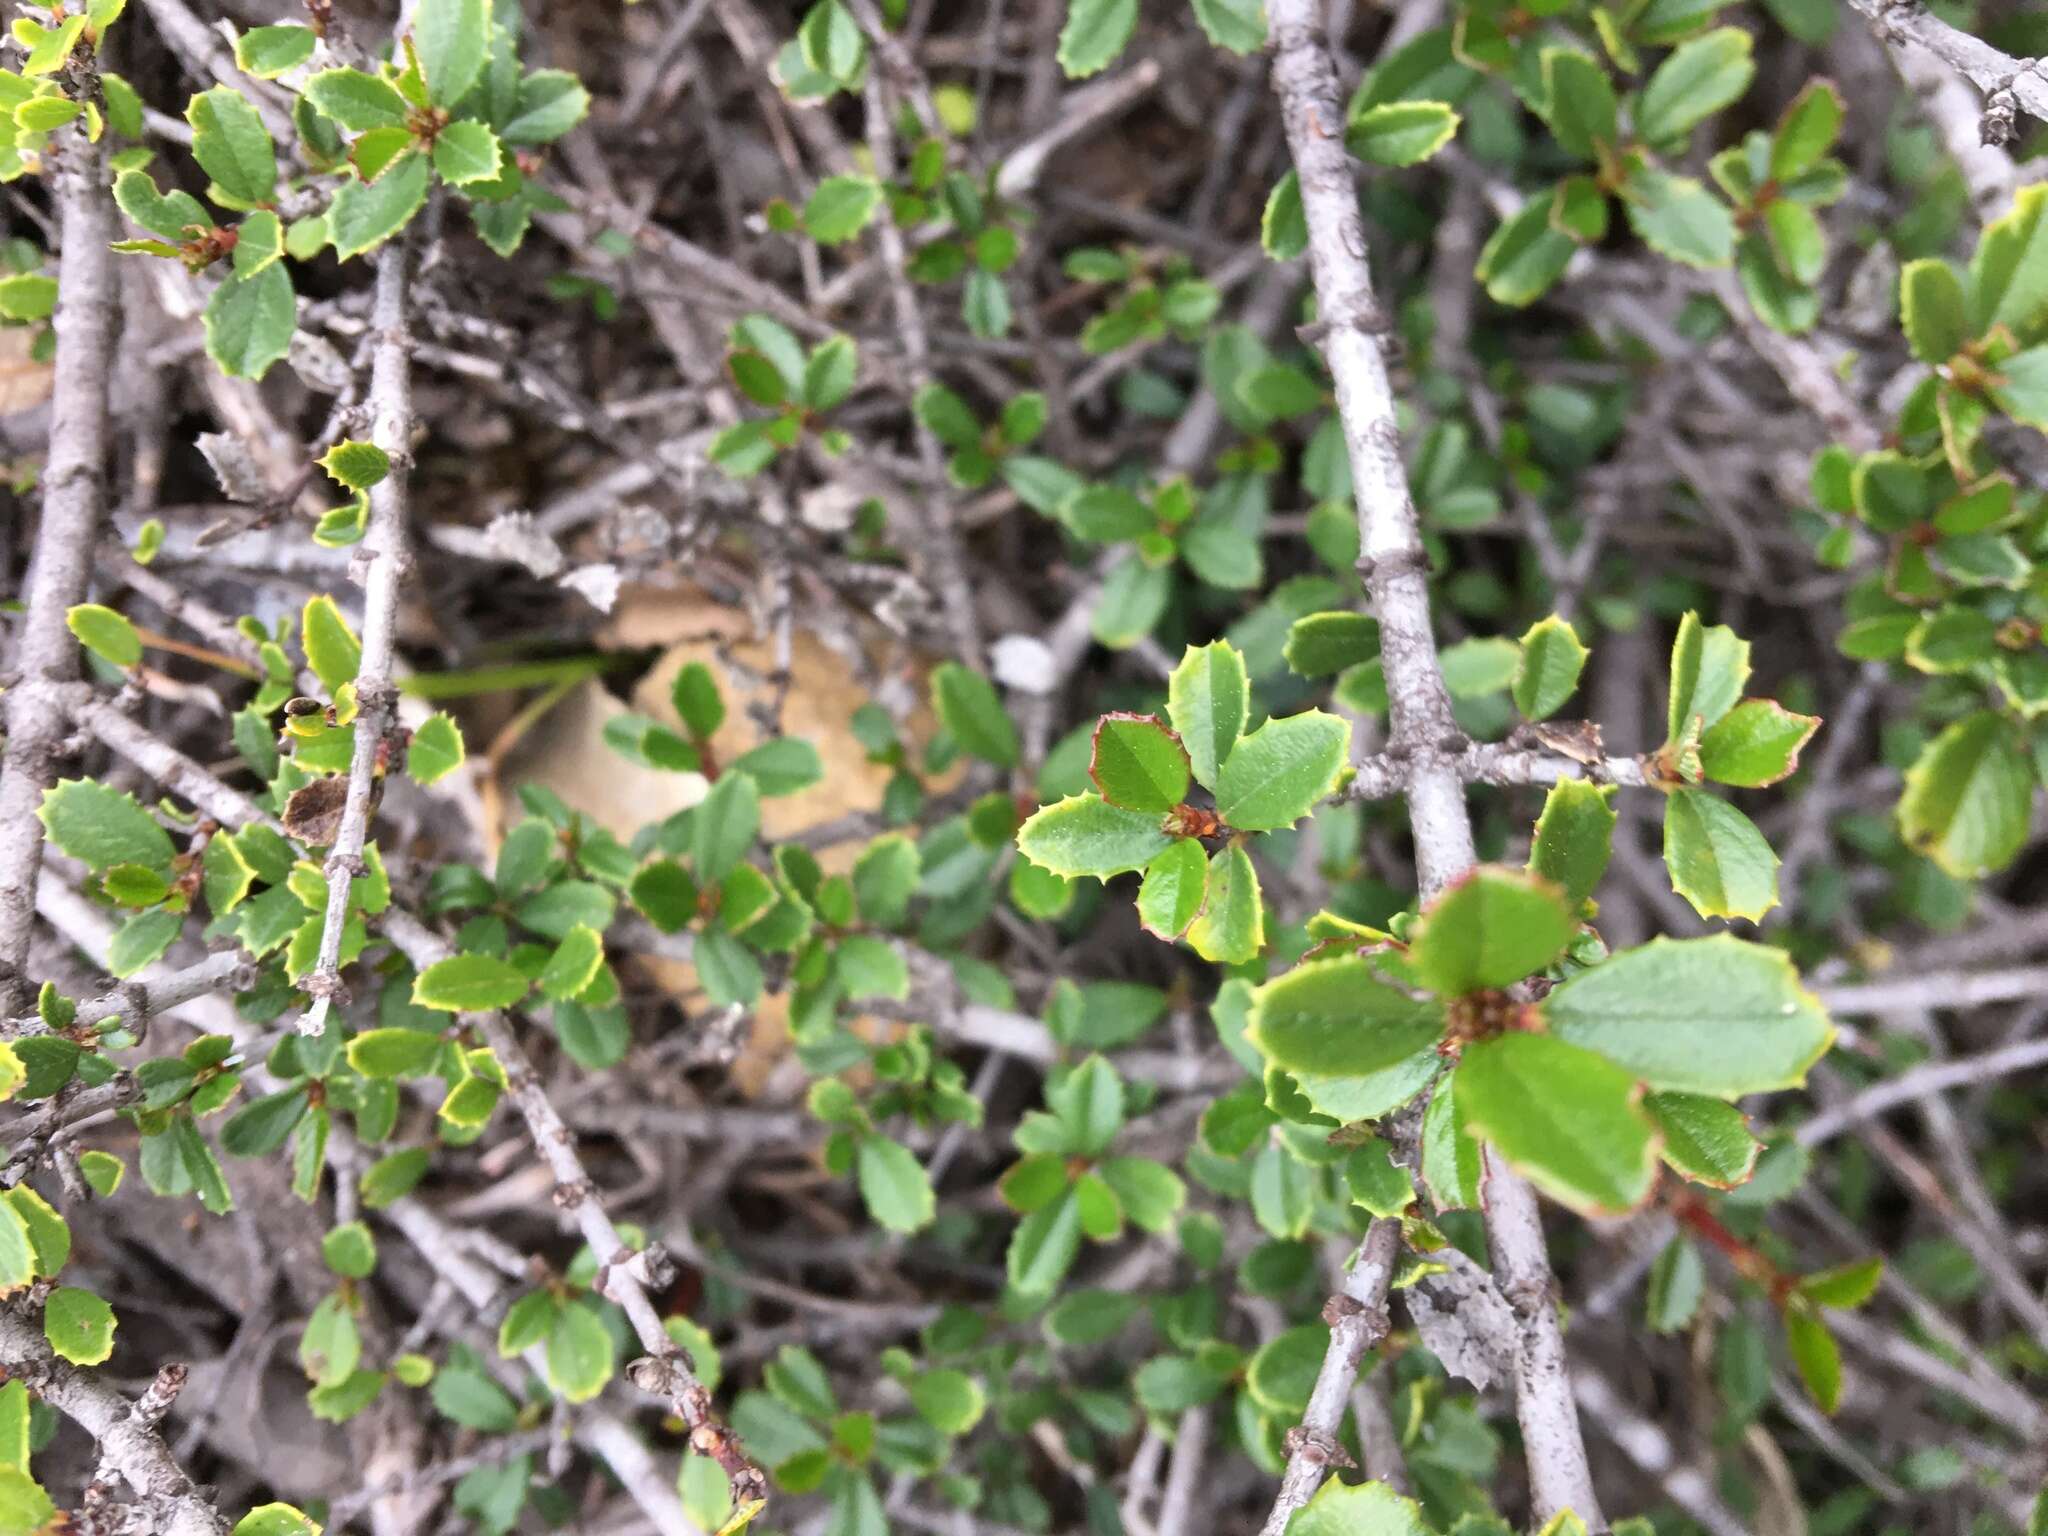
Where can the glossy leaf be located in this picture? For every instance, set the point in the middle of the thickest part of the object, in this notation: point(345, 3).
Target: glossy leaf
point(1083, 835)
point(1718, 860)
point(1337, 1017)
point(1208, 699)
point(1488, 931)
point(1565, 1117)
point(1139, 764)
point(1278, 773)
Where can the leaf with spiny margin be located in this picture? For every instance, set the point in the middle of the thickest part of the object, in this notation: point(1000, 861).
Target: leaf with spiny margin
point(1356, 1509)
point(1208, 698)
point(1338, 1018)
point(232, 145)
point(1175, 885)
point(435, 750)
point(1709, 667)
point(1705, 1139)
point(174, 214)
point(574, 964)
point(1084, 835)
point(1968, 797)
point(102, 827)
point(250, 321)
point(467, 152)
point(469, 984)
point(550, 102)
point(452, 39)
point(267, 52)
point(357, 101)
point(1137, 763)
point(1323, 643)
point(1718, 860)
point(1548, 671)
point(1566, 1118)
point(1276, 775)
point(1488, 931)
point(363, 216)
point(332, 649)
point(1574, 837)
point(1713, 1016)
point(259, 244)
point(1756, 743)
point(1231, 927)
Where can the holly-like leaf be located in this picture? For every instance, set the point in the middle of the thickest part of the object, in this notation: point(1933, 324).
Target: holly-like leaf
point(841, 208)
point(365, 215)
point(468, 984)
point(1548, 672)
point(1356, 1509)
point(436, 749)
point(1713, 1016)
point(574, 964)
point(1709, 668)
point(1574, 837)
point(231, 144)
point(1276, 775)
point(1704, 1139)
point(1755, 743)
point(356, 101)
point(1175, 885)
point(332, 649)
point(1207, 699)
point(1718, 860)
point(1488, 931)
point(1564, 1117)
point(107, 634)
point(968, 706)
point(1084, 835)
point(1678, 217)
point(1337, 1018)
point(550, 103)
point(102, 827)
point(1137, 763)
point(467, 152)
point(174, 215)
point(250, 320)
point(894, 1185)
point(267, 52)
point(1401, 133)
point(452, 39)
point(1095, 33)
point(1231, 927)
point(1324, 643)
point(1968, 797)
point(1698, 79)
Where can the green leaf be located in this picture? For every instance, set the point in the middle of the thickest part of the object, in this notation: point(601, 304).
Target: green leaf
point(1401, 133)
point(365, 215)
point(1095, 33)
point(1239, 25)
point(1548, 672)
point(1323, 643)
point(1709, 668)
point(1283, 227)
point(869, 966)
point(1175, 885)
point(259, 244)
point(1525, 255)
point(107, 634)
point(267, 52)
point(1704, 1139)
point(573, 966)
point(435, 750)
point(550, 103)
point(1488, 931)
point(468, 984)
point(201, 1169)
point(1043, 1247)
point(1934, 309)
point(1754, 744)
point(1814, 1351)
point(1678, 217)
point(1083, 835)
point(1563, 1116)
point(830, 373)
point(579, 1353)
point(695, 696)
point(1718, 860)
point(395, 1052)
point(1337, 1018)
point(1574, 837)
point(27, 296)
point(250, 320)
point(1806, 131)
point(2009, 272)
point(1715, 1016)
point(467, 152)
point(967, 705)
point(1844, 1286)
point(723, 828)
point(1357, 1509)
point(951, 1401)
point(173, 215)
point(452, 39)
point(841, 208)
point(1137, 763)
point(1208, 698)
point(1968, 797)
point(102, 827)
point(1231, 926)
point(1579, 102)
point(48, 47)
point(24, 1508)
point(356, 101)
point(332, 649)
point(2022, 387)
point(894, 1185)
point(1276, 775)
point(1697, 80)
point(1678, 1282)
point(231, 144)
point(393, 1177)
